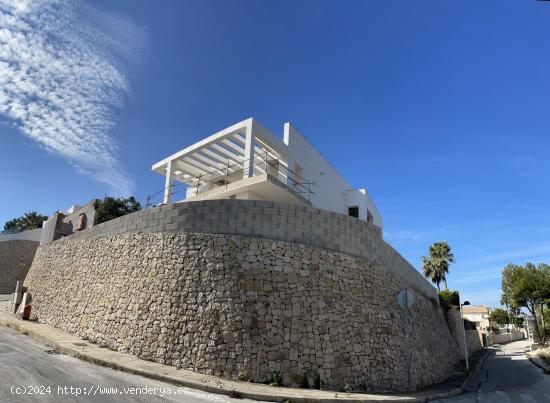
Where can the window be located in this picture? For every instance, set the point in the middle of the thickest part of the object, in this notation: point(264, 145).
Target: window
point(370, 218)
point(353, 211)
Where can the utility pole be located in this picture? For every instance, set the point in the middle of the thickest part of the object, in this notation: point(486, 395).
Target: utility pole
point(464, 334)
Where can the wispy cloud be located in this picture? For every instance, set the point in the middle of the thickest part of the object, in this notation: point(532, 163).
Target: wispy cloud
point(489, 266)
point(63, 75)
point(477, 276)
point(403, 235)
point(519, 255)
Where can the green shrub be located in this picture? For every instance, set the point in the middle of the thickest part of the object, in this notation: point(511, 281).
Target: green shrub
point(110, 208)
point(449, 299)
point(243, 376)
point(304, 382)
point(317, 381)
point(275, 379)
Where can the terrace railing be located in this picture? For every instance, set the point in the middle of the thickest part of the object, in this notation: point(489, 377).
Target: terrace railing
point(233, 172)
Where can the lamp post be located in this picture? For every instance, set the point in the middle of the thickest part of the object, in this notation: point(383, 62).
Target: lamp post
point(464, 334)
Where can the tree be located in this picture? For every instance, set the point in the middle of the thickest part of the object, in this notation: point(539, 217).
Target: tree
point(12, 224)
point(499, 316)
point(30, 220)
point(450, 299)
point(528, 286)
point(436, 266)
point(110, 208)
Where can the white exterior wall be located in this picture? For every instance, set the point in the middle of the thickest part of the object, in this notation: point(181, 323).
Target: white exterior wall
point(255, 149)
point(331, 191)
point(248, 195)
point(481, 319)
point(29, 235)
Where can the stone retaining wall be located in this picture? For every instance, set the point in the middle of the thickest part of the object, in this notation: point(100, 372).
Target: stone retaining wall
point(241, 306)
point(15, 260)
point(279, 221)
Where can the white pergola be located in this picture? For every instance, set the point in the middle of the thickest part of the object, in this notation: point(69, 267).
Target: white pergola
point(233, 152)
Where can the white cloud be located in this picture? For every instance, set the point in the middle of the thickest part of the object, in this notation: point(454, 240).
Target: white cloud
point(403, 235)
point(476, 276)
point(63, 75)
point(518, 256)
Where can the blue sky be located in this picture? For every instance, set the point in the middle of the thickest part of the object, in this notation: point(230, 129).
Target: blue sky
point(439, 108)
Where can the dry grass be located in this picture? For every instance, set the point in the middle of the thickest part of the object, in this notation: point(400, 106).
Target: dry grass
point(544, 353)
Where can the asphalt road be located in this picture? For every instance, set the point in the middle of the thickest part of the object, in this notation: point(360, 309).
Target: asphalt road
point(29, 367)
point(26, 363)
point(508, 376)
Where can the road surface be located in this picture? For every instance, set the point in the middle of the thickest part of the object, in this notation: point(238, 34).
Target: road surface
point(26, 363)
point(508, 377)
point(27, 366)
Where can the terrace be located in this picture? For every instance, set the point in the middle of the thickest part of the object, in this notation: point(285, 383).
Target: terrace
point(244, 161)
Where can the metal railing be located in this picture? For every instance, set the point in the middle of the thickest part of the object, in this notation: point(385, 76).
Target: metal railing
point(233, 172)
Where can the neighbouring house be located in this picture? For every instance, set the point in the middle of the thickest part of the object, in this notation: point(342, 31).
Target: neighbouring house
point(479, 315)
point(17, 250)
point(63, 223)
point(247, 161)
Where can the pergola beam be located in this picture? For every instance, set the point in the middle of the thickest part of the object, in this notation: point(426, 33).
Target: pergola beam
point(222, 150)
point(215, 164)
point(185, 167)
point(233, 146)
point(207, 141)
point(219, 158)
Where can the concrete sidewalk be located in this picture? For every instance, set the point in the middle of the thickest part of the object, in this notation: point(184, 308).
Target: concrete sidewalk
point(77, 347)
point(5, 302)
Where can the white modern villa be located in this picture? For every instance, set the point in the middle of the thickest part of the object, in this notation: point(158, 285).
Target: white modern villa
point(247, 161)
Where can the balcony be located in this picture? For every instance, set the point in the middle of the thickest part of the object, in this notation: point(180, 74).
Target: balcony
point(244, 161)
point(265, 178)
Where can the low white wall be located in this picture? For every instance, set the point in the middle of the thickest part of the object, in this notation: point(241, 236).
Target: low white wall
point(504, 338)
point(29, 235)
point(474, 341)
point(473, 338)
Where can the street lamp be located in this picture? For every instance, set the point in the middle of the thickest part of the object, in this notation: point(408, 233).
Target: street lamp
point(464, 334)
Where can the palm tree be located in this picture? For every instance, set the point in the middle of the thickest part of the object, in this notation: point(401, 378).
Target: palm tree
point(436, 266)
point(32, 220)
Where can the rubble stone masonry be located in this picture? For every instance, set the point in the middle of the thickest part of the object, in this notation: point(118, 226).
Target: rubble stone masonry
point(241, 306)
point(268, 220)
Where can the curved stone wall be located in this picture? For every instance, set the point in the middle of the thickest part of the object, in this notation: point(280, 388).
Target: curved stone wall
point(242, 306)
point(279, 221)
point(15, 260)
